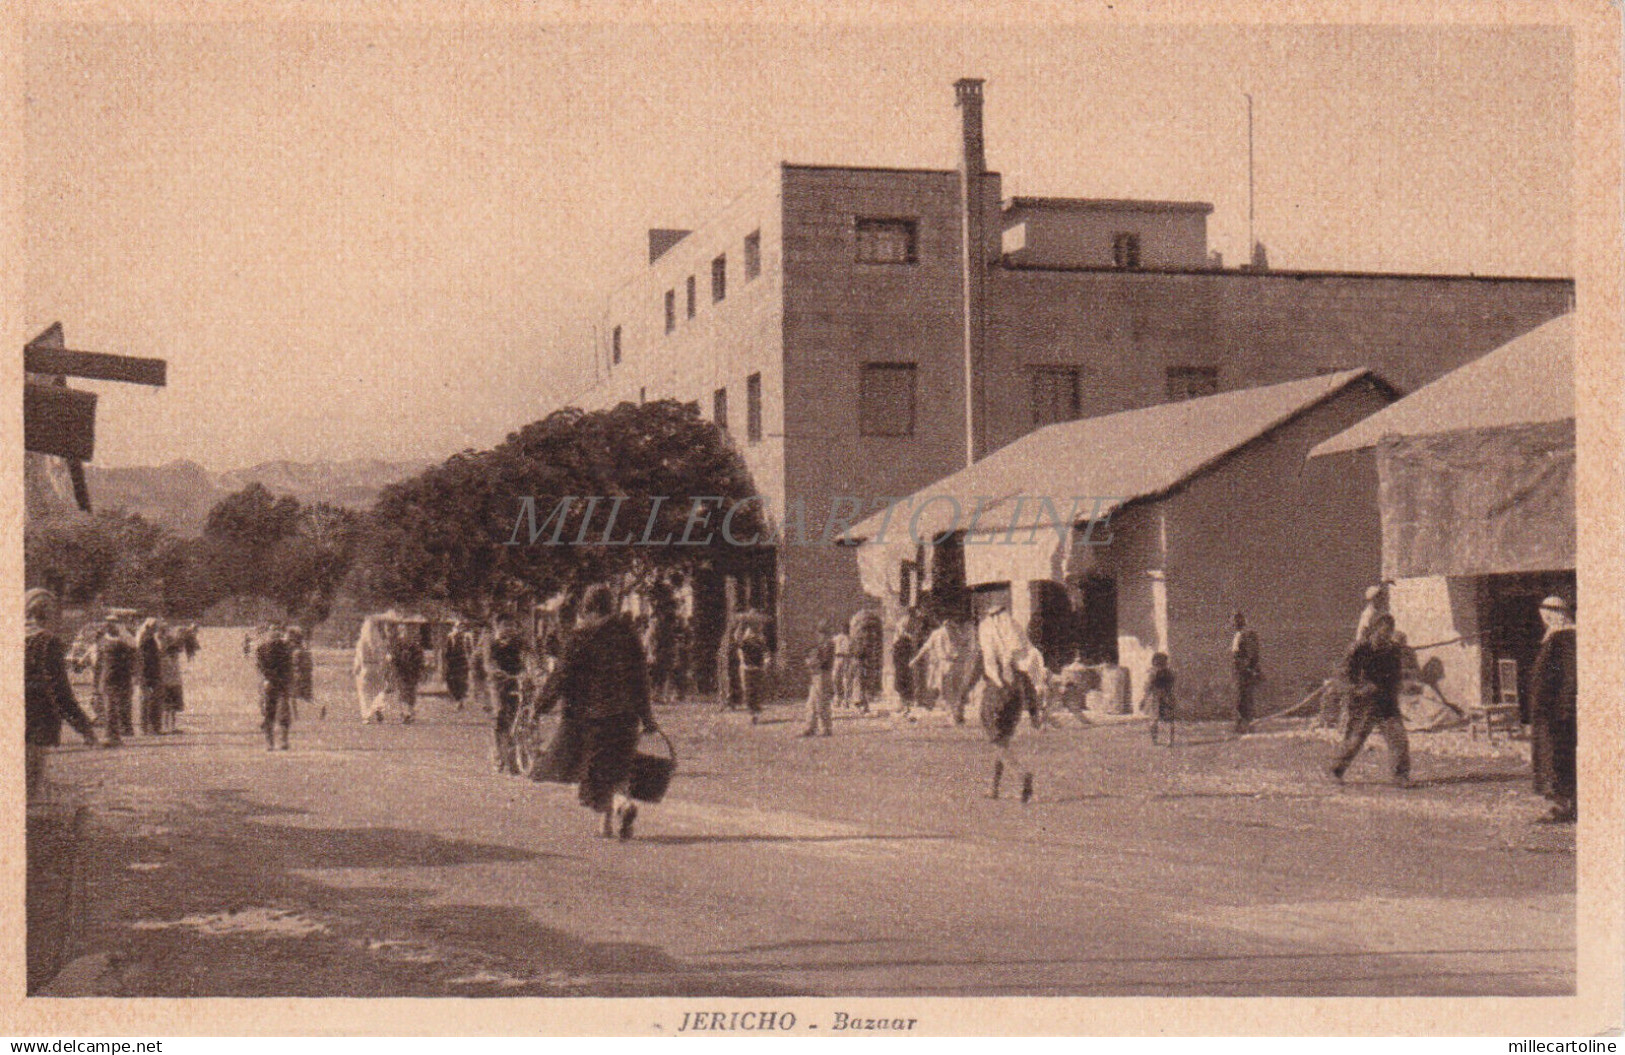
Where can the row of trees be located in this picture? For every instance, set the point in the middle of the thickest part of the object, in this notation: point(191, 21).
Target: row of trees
point(459, 535)
point(254, 544)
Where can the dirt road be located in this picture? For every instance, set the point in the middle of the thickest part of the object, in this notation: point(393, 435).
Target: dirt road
point(391, 860)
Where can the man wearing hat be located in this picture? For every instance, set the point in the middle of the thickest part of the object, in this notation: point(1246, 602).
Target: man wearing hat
point(1376, 603)
point(115, 679)
point(1554, 693)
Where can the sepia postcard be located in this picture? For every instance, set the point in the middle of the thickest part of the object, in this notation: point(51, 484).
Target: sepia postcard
point(763, 520)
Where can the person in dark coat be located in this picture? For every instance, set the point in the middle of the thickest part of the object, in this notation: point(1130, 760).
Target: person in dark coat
point(150, 664)
point(48, 699)
point(603, 684)
point(1375, 668)
point(302, 685)
point(406, 660)
point(115, 680)
point(454, 657)
point(273, 657)
point(507, 667)
point(1553, 706)
point(753, 657)
point(1159, 696)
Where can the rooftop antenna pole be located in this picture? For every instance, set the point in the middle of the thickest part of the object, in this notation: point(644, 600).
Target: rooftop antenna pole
point(1250, 241)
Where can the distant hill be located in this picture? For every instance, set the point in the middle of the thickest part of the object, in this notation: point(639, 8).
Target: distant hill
point(179, 495)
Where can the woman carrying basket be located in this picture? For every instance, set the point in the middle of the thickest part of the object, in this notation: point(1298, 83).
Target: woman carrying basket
point(603, 684)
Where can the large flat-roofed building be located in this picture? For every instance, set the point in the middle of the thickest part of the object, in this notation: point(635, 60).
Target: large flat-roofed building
point(829, 320)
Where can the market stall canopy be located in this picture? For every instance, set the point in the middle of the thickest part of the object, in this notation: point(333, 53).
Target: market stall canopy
point(1525, 381)
point(1064, 475)
point(1476, 470)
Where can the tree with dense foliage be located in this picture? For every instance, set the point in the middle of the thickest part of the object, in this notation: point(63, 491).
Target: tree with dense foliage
point(84, 557)
point(626, 494)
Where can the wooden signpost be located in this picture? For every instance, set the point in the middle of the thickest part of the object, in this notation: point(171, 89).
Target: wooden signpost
point(61, 421)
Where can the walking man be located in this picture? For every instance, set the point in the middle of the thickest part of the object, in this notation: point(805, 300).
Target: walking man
point(115, 680)
point(507, 655)
point(1553, 709)
point(753, 657)
point(1247, 664)
point(274, 658)
point(302, 678)
point(47, 697)
point(1009, 664)
point(820, 671)
point(406, 659)
point(454, 657)
point(1375, 668)
point(150, 649)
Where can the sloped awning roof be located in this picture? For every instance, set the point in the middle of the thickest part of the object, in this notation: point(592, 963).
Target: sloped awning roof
point(1078, 470)
point(1527, 381)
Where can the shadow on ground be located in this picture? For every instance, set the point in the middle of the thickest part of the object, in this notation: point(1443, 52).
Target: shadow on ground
point(210, 902)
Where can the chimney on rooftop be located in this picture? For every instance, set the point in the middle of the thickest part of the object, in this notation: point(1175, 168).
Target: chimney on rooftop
point(973, 260)
point(968, 97)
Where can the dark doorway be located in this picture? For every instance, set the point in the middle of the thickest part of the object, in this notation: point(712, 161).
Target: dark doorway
point(1054, 625)
point(1097, 630)
point(1509, 616)
point(947, 597)
point(705, 631)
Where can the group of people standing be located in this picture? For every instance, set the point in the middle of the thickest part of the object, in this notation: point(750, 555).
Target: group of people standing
point(124, 659)
point(990, 663)
point(389, 667)
point(147, 657)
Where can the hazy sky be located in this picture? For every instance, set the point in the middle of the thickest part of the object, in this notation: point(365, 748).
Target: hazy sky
point(358, 240)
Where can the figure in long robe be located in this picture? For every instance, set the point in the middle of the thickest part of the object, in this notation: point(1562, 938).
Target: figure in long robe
point(371, 669)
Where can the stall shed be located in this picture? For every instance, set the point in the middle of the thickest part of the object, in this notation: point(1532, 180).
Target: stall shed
point(1476, 496)
point(1145, 531)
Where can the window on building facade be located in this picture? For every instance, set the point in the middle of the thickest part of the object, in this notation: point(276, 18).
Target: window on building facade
point(1192, 382)
point(719, 278)
point(753, 255)
point(691, 296)
point(886, 399)
point(881, 241)
point(719, 408)
point(753, 408)
point(1057, 394)
point(671, 310)
point(1125, 250)
point(615, 345)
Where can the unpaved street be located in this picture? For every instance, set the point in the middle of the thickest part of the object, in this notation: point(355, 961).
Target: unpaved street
point(391, 860)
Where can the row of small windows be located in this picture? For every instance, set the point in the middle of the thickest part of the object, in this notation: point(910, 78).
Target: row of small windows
point(887, 394)
point(877, 240)
point(719, 282)
point(753, 408)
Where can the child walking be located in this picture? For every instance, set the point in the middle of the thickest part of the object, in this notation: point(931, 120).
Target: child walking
point(1159, 696)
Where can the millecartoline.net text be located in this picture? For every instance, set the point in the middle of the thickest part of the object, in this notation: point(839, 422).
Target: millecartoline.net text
point(707, 520)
